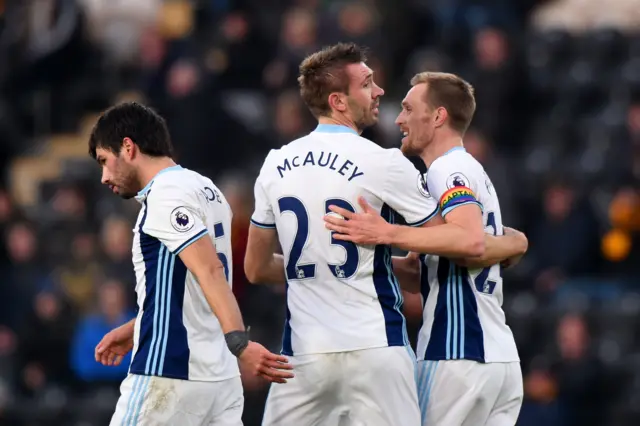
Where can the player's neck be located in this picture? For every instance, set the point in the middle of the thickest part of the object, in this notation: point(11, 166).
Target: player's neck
point(438, 148)
point(339, 121)
point(150, 167)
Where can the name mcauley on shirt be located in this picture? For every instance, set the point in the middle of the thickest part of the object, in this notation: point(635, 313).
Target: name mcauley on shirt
point(335, 162)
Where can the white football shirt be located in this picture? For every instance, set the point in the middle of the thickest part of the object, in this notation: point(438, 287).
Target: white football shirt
point(463, 316)
point(340, 296)
point(176, 333)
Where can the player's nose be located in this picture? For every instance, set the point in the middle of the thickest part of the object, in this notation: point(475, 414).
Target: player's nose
point(377, 91)
point(105, 177)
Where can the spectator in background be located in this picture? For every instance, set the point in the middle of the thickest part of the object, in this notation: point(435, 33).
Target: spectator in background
point(116, 241)
point(583, 390)
point(69, 204)
point(540, 406)
point(27, 274)
point(239, 54)
point(6, 214)
point(117, 25)
point(356, 21)
point(76, 278)
point(44, 344)
point(298, 38)
point(493, 71)
point(289, 118)
point(564, 242)
point(111, 312)
point(503, 175)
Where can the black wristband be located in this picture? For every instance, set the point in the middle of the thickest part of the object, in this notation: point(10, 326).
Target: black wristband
point(237, 341)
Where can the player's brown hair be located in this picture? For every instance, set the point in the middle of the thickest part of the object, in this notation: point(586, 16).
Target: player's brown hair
point(452, 93)
point(323, 73)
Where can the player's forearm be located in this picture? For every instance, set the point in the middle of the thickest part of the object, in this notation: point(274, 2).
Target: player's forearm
point(497, 250)
point(221, 299)
point(270, 271)
point(129, 327)
point(448, 240)
point(407, 271)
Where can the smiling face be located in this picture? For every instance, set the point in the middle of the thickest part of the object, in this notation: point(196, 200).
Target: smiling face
point(118, 173)
point(416, 121)
point(364, 95)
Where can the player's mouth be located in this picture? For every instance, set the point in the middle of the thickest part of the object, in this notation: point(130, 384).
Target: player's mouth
point(405, 134)
point(374, 108)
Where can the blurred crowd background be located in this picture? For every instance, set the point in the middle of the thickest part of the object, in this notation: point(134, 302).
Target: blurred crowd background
point(557, 129)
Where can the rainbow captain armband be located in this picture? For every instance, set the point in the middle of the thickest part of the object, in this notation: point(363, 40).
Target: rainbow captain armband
point(455, 197)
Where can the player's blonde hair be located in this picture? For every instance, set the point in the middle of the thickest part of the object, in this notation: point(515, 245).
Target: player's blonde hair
point(452, 93)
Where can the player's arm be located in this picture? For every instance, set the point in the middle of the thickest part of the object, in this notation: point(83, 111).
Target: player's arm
point(462, 234)
point(173, 218)
point(261, 264)
point(407, 271)
point(202, 261)
point(506, 249)
point(116, 344)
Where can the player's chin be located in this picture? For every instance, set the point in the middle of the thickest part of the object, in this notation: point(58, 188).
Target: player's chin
point(126, 195)
point(404, 147)
point(371, 120)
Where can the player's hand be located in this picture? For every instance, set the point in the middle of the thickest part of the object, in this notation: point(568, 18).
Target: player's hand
point(523, 244)
point(260, 362)
point(366, 228)
point(115, 345)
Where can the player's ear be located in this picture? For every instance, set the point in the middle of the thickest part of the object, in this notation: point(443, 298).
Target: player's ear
point(338, 102)
point(128, 148)
point(440, 117)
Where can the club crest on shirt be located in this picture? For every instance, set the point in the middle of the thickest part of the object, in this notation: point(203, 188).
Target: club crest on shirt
point(422, 186)
point(457, 180)
point(181, 219)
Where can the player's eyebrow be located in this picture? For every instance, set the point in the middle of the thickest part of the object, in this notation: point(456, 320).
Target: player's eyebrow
point(368, 78)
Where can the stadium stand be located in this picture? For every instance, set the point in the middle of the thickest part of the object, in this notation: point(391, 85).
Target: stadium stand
point(557, 128)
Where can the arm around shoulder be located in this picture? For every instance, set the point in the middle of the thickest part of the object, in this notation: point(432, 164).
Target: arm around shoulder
point(507, 249)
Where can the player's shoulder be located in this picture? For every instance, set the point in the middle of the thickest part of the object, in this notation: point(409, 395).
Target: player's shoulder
point(275, 155)
point(178, 178)
point(456, 162)
point(180, 184)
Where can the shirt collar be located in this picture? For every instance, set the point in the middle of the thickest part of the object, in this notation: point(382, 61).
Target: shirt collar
point(142, 195)
point(334, 128)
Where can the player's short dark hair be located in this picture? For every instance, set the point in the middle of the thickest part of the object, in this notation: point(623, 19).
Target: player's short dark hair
point(146, 128)
point(323, 73)
point(453, 94)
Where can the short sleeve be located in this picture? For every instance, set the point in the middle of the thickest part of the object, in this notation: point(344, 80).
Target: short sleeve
point(452, 184)
point(172, 217)
point(405, 191)
point(262, 216)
